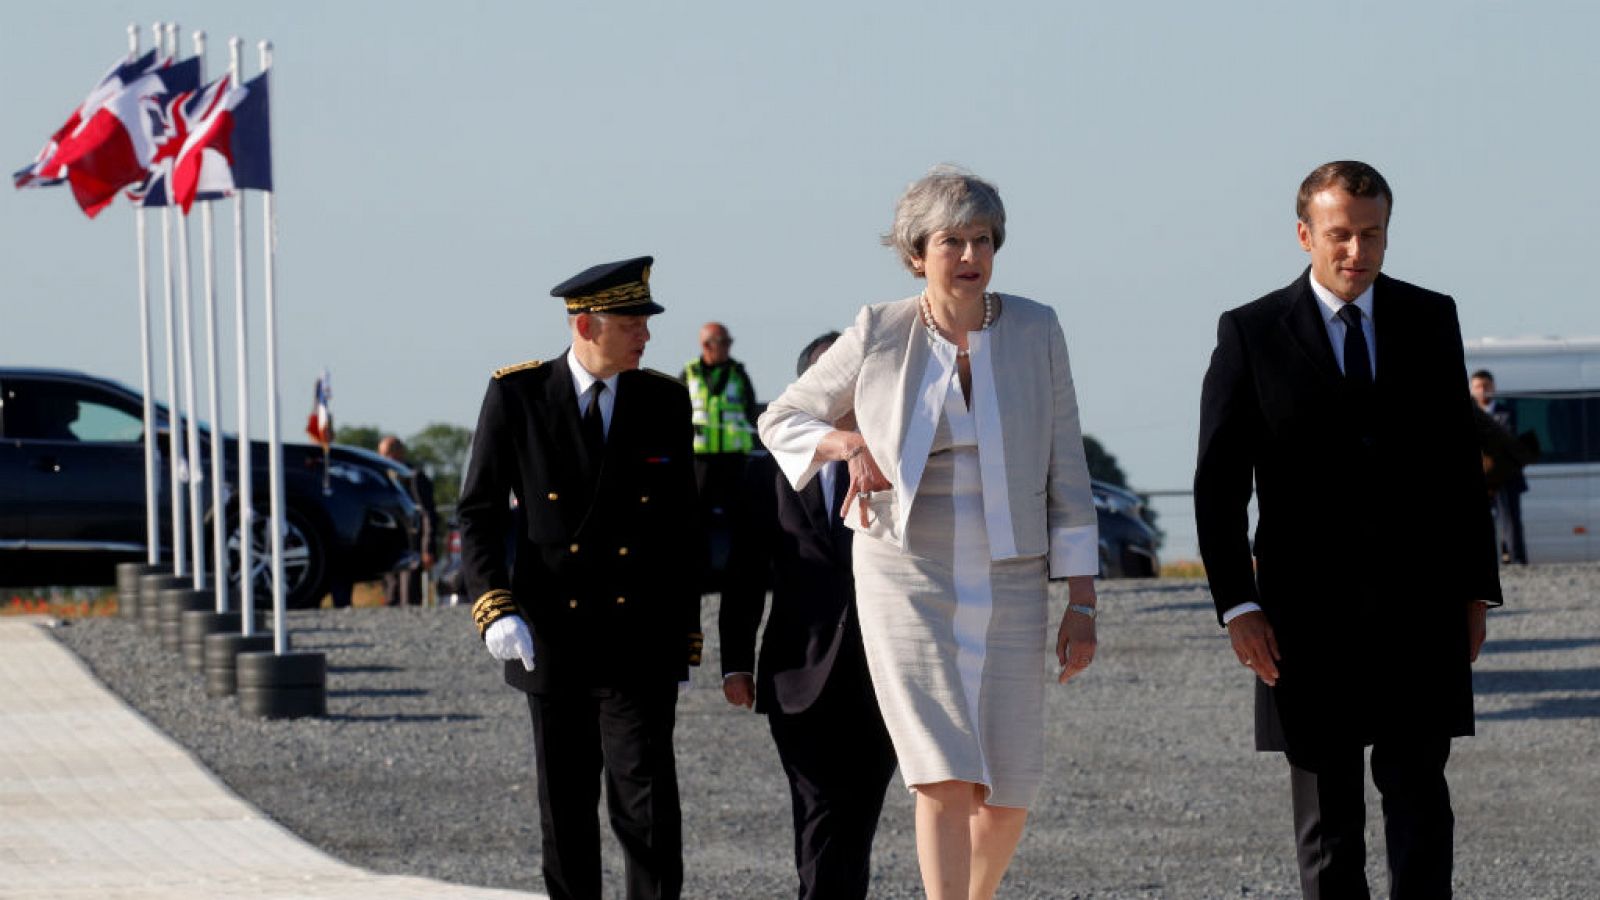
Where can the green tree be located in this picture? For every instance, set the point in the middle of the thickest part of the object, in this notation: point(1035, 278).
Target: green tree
point(1102, 465)
point(440, 449)
point(364, 436)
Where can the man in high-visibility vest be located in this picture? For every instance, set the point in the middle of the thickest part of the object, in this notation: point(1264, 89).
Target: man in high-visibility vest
point(724, 411)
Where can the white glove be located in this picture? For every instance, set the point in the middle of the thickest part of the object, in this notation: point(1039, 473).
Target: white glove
point(509, 638)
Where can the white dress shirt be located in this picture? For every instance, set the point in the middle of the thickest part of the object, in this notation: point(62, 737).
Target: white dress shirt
point(581, 379)
point(1330, 304)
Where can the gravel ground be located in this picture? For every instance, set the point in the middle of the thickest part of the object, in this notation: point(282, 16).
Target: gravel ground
point(424, 764)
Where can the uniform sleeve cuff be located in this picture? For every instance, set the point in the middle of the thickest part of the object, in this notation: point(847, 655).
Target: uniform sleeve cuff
point(492, 606)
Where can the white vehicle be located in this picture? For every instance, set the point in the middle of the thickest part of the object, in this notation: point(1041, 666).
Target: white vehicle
point(1552, 386)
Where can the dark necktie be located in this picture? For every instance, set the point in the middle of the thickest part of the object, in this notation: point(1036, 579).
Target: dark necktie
point(1357, 359)
point(594, 427)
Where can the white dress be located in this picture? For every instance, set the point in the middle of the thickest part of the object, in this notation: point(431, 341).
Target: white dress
point(955, 641)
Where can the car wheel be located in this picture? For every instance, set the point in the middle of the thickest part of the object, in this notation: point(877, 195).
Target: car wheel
point(305, 560)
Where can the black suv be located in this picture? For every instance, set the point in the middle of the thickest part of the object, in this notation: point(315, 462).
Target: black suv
point(72, 494)
point(1128, 544)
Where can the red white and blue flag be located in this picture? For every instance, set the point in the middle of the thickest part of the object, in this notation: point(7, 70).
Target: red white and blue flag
point(320, 423)
point(223, 143)
point(112, 138)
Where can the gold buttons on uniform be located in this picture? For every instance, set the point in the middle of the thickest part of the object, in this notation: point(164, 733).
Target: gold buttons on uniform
point(621, 600)
point(572, 603)
point(573, 548)
point(622, 551)
point(553, 495)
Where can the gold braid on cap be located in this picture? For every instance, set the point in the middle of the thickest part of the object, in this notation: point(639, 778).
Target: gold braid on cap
point(492, 606)
point(623, 295)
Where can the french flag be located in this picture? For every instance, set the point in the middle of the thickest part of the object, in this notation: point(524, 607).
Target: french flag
point(112, 139)
point(228, 143)
point(320, 423)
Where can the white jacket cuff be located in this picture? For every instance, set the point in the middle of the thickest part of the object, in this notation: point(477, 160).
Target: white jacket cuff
point(1074, 551)
point(797, 454)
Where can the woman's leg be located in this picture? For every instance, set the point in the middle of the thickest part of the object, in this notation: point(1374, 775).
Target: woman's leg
point(944, 837)
point(996, 831)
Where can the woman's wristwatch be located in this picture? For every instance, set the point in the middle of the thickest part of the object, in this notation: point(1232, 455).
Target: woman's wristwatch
point(1083, 610)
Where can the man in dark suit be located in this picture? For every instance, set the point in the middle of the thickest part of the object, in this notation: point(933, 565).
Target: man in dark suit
point(1510, 485)
point(1334, 397)
point(600, 620)
point(811, 681)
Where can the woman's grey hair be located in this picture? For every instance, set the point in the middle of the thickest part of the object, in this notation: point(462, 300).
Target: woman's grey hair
point(947, 197)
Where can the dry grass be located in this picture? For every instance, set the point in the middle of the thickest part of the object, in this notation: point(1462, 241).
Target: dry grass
point(1183, 568)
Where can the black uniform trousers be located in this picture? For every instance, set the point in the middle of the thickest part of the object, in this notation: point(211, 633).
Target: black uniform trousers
point(839, 762)
point(626, 734)
point(1328, 789)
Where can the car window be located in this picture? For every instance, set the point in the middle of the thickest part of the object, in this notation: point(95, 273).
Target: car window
point(59, 411)
point(1561, 423)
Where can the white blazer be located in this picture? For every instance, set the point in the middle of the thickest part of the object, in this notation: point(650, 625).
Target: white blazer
point(1035, 478)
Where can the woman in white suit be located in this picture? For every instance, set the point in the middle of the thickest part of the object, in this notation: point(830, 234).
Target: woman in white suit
point(968, 491)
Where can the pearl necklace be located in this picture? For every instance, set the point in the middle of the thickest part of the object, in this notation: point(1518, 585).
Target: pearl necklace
point(989, 304)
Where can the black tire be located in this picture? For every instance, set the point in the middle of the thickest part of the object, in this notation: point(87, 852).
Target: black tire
point(305, 559)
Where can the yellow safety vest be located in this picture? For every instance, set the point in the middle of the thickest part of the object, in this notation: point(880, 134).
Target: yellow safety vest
point(720, 424)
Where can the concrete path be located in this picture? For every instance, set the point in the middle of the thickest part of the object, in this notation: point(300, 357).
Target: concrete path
point(96, 803)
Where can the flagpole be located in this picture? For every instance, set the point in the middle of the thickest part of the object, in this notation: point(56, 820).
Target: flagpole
point(247, 594)
point(174, 420)
point(219, 517)
point(152, 507)
point(196, 463)
point(275, 438)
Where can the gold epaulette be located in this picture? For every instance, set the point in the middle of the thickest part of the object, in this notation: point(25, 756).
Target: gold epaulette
point(495, 604)
point(697, 642)
point(507, 370)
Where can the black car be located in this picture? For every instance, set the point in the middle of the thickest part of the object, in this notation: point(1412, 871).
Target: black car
point(72, 494)
point(1128, 543)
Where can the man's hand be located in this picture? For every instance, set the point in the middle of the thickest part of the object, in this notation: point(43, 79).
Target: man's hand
point(1477, 627)
point(509, 638)
point(740, 689)
point(1255, 645)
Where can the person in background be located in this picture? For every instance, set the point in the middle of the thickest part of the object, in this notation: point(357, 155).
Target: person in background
point(811, 681)
point(723, 401)
point(1510, 485)
point(599, 623)
point(1328, 399)
point(968, 492)
point(405, 588)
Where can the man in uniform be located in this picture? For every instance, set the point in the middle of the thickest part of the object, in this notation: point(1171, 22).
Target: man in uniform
point(599, 622)
point(724, 403)
point(1330, 398)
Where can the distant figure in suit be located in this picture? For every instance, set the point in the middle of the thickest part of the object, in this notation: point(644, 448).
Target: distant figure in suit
point(1333, 396)
point(1512, 485)
point(811, 681)
point(599, 623)
point(405, 588)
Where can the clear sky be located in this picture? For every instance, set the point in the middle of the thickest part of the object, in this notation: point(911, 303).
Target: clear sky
point(441, 166)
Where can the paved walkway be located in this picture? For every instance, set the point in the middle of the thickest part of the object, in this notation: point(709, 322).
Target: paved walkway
point(96, 803)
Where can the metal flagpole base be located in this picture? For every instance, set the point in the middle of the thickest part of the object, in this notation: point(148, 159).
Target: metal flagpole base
point(150, 588)
point(221, 659)
point(174, 603)
point(128, 575)
point(283, 685)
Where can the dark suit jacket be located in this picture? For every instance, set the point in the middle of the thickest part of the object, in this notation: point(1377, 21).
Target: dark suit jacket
point(788, 540)
point(606, 573)
point(1373, 533)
